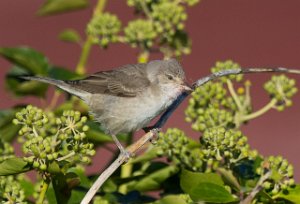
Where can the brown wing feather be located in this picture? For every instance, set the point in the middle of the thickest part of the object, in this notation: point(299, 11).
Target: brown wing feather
point(125, 81)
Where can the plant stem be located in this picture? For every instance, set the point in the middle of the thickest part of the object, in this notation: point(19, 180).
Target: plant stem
point(126, 171)
point(44, 189)
point(81, 66)
point(234, 95)
point(260, 112)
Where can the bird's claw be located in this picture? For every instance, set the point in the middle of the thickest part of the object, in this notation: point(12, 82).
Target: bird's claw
point(127, 155)
point(155, 136)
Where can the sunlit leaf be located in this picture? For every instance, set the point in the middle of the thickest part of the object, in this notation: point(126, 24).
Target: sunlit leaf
point(171, 199)
point(210, 192)
point(70, 35)
point(190, 179)
point(292, 194)
point(51, 7)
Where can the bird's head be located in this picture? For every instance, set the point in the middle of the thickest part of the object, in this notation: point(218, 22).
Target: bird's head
point(168, 73)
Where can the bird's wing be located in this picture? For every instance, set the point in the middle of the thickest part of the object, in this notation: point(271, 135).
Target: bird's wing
point(126, 81)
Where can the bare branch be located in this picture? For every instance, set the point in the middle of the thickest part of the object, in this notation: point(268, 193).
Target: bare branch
point(256, 189)
point(163, 119)
point(132, 149)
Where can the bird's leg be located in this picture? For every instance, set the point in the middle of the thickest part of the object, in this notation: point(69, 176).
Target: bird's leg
point(123, 151)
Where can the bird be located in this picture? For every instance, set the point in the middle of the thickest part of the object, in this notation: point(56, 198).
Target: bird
point(126, 99)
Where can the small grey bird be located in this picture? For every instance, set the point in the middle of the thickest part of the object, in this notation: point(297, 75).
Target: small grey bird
point(126, 99)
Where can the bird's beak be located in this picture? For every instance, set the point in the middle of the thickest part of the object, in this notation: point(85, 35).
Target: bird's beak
point(186, 87)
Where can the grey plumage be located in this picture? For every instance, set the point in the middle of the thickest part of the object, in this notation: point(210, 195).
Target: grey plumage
point(126, 99)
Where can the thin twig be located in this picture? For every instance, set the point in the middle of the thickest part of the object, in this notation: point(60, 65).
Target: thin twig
point(115, 165)
point(163, 119)
point(256, 189)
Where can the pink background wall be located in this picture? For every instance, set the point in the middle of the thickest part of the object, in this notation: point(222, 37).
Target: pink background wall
point(252, 32)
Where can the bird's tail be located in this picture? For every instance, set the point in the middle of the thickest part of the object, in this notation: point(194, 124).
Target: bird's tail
point(61, 84)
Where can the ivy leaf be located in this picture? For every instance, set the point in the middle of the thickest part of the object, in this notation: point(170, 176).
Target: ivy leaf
point(22, 87)
point(28, 59)
point(13, 166)
point(292, 194)
point(27, 186)
point(62, 73)
point(210, 192)
point(229, 178)
point(171, 199)
point(7, 129)
point(153, 180)
point(51, 7)
point(208, 187)
point(70, 35)
point(190, 179)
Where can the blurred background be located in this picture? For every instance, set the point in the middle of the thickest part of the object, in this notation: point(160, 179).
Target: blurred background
point(253, 33)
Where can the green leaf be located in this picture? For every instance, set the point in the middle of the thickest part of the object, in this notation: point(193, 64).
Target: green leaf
point(28, 59)
point(171, 199)
point(229, 178)
point(13, 166)
point(154, 180)
point(7, 129)
point(84, 181)
point(27, 186)
point(61, 189)
point(147, 156)
point(62, 73)
point(210, 192)
point(292, 194)
point(190, 179)
point(21, 87)
point(208, 187)
point(69, 35)
point(60, 6)
point(96, 135)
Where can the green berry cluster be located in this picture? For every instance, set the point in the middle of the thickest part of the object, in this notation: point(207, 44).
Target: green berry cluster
point(168, 18)
point(174, 144)
point(47, 138)
point(6, 150)
point(228, 64)
point(223, 147)
point(209, 107)
point(140, 33)
point(104, 28)
point(11, 191)
point(282, 89)
point(281, 174)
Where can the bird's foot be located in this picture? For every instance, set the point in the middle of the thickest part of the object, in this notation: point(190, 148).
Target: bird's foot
point(155, 137)
point(126, 154)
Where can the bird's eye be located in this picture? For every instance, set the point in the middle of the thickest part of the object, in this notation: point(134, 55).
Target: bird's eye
point(170, 77)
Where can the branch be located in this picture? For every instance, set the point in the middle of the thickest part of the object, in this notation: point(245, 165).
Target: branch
point(122, 158)
point(256, 189)
point(163, 119)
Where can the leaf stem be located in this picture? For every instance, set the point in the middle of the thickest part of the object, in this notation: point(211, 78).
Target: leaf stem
point(261, 111)
point(44, 189)
point(81, 66)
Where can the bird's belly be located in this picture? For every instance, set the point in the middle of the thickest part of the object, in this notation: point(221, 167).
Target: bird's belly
point(140, 113)
point(129, 114)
